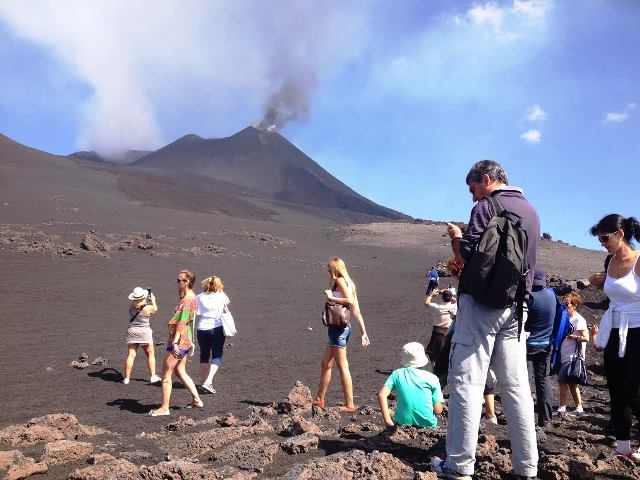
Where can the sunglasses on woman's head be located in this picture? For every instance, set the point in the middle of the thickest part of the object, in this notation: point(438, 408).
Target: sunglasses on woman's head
point(182, 280)
point(605, 238)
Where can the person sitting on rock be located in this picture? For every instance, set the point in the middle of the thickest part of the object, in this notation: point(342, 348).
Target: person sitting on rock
point(418, 391)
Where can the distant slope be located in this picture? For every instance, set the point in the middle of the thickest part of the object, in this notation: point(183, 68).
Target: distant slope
point(253, 174)
point(128, 156)
point(266, 165)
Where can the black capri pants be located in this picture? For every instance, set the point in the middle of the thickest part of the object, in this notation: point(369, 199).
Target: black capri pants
point(211, 343)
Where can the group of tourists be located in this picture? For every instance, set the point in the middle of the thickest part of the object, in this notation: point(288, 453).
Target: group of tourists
point(204, 311)
point(500, 317)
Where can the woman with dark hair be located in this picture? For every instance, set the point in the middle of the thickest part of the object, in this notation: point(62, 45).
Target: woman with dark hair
point(619, 331)
point(179, 344)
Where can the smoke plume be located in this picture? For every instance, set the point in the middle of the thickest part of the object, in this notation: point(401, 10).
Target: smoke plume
point(158, 70)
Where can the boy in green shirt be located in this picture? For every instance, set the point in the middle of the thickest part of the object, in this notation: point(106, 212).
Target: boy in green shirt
point(418, 391)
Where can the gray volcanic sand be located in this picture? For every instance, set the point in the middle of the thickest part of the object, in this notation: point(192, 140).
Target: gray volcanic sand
point(59, 306)
point(60, 301)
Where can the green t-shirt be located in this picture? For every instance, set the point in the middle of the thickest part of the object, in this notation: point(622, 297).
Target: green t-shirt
point(417, 390)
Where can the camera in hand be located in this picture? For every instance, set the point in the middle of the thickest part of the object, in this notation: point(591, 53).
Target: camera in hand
point(149, 294)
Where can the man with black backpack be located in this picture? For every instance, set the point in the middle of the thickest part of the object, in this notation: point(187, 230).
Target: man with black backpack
point(499, 249)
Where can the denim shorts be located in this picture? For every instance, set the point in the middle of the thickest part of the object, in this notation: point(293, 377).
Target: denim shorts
point(182, 352)
point(339, 336)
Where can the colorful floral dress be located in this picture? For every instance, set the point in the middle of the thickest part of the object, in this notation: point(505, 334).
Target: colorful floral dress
point(182, 321)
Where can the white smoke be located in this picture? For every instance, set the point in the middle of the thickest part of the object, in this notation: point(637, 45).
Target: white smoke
point(154, 64)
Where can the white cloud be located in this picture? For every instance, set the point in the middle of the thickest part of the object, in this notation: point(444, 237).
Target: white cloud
point(532, 136)
point(465, 55)
point(489, 13)
point(149, 62)
point(616, 117)
point(631, 105)
point(536, 114)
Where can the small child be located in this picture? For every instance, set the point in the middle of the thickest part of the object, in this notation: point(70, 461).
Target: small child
point(574, 344)
point(418, 391)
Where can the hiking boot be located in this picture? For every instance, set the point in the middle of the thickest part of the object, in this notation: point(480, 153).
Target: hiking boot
point(438, 466)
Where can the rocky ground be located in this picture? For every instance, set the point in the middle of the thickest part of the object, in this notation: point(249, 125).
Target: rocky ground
point(292, 440)
point(65, 294)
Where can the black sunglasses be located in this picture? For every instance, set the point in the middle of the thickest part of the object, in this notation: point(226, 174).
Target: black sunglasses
point(606, 238)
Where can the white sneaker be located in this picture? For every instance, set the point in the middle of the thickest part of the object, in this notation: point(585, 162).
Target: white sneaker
point(208, 387)
point(438, 466)
point(634, 456)
point(125, 381)
point(493, 420)
point(562, 409)
point(155, 379)
point(576, 411)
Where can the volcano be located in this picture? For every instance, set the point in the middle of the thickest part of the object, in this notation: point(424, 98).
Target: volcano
point(257, 167)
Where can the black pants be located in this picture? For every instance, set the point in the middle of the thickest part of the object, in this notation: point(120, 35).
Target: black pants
point(539, 358)
point(623, 380)
point(436, 344)
point(431, 287)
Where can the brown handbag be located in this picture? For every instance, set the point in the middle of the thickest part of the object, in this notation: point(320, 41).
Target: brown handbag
point(335, 314)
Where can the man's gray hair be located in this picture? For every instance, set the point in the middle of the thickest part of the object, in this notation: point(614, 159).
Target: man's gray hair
point(487, 167)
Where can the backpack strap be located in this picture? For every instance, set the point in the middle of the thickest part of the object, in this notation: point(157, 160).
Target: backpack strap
point(521, 291)
point(521, 294)
point(495, 203)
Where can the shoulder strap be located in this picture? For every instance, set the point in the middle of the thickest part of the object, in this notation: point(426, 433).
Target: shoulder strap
point(497, 206)
point(137, 313)
point(607, 261)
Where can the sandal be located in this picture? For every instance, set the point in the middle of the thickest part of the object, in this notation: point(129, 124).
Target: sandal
point(345, 409)
point(199, 404)
point(153, 413)
point(318, 403)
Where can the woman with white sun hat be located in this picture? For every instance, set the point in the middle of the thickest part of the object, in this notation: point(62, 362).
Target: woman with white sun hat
point(143, 305)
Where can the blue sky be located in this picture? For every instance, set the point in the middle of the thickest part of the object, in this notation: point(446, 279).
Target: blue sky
point(396, 98)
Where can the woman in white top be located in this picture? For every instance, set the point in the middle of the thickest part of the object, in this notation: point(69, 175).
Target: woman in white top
point(211, 305)
point(342, 290)
point(574, 344)
point(619, 331)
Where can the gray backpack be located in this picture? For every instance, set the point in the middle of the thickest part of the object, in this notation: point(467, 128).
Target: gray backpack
point(495, 274)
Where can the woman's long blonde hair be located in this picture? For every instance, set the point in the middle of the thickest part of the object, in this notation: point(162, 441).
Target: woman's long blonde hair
point(212, 284)
point(338, 269)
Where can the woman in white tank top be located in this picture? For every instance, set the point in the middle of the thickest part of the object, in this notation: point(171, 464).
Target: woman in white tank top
point(619, 330)
point(342, 290)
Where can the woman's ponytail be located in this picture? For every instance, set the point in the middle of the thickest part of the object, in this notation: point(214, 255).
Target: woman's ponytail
point(631, 228)
point(212, 284)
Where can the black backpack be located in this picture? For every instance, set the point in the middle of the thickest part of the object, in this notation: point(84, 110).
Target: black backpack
point(495, 274)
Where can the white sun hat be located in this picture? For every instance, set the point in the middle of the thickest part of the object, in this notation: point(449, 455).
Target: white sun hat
point(138, 293)
point(413, 355)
